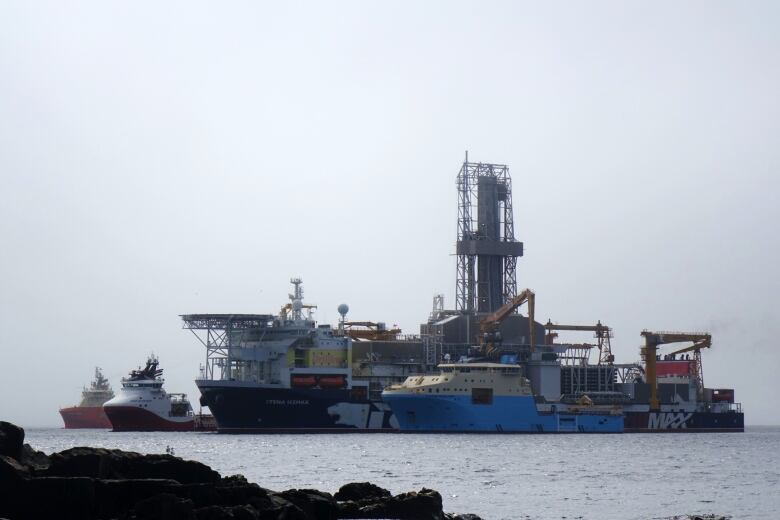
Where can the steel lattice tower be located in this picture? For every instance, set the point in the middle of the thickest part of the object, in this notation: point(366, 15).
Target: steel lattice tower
point(486, 248)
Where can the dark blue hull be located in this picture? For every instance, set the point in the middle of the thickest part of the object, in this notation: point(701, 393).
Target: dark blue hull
point(682, 422)
point(245, 409)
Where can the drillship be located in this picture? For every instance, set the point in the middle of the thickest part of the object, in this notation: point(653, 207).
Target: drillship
point(268, 372)
point(143, 405)
point(89, 412)
point(487, 398)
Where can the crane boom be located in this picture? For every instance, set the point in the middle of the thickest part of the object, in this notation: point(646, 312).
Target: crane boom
point(601, 332)
point(594, 328)
point(489, 324)
point(650, 351)
point(692, 348)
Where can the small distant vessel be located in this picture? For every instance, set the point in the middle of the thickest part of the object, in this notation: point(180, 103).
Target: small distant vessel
point(89, 412)
point(143, 404)
point(486, 397)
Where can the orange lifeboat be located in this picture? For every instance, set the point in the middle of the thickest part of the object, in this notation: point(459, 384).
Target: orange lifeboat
point(332, 381)
point(303, 381)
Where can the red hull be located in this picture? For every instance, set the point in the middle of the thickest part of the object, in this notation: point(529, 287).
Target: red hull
point(85, 417)
point(133, 419)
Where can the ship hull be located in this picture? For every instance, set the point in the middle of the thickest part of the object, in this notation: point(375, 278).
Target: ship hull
point(684, 422)
point(134, 419)
point(76, 417)
point(505, 414)
point(243, 409)
point(246, 409)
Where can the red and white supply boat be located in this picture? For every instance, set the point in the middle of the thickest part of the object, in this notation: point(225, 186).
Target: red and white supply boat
point(89, 412)
point(143, 405)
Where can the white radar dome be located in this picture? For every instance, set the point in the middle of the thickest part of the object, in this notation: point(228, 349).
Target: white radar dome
point(343, 309)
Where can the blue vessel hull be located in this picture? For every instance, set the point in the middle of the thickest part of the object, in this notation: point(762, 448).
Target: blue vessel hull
point(516, 414)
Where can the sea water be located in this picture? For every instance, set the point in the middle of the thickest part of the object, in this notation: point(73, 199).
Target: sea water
point(520, 476)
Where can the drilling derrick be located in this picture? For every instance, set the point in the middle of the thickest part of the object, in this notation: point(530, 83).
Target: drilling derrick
point(486, 248)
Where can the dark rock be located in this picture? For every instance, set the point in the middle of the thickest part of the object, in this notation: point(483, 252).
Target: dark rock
point(232, 493)
point(467, 516)
point(11, 440)
point(116, 464)
point(225, 495)
point(55, 497)
point(81, 462)
point(360, 491)
point(315, 504)
point(227, 513)
point(95, 483)
point(113, 497)
point(133, 465)
point(12, 476)
point(11, 469)
point(234, 479)
point(349, 509)
point(423, 505)
point(165, 506)
point(35, 461)
point(281, 509)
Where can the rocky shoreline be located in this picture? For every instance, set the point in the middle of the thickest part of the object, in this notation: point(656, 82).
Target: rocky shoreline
point(97, 483)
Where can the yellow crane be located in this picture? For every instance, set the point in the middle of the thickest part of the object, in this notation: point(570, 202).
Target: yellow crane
point(287, 307)
point(488, 326)
point(370, 330)
point(650, 352)
point(601, 332)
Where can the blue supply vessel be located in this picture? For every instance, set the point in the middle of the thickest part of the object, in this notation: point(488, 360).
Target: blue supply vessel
point(488, 397)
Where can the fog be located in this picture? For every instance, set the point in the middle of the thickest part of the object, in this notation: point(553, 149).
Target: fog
point(164, 159)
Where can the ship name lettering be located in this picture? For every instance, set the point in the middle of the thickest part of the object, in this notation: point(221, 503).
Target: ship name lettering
point(286, 401)
point(668, 420)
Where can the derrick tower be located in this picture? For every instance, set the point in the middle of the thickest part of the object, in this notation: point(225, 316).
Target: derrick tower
point(486, 248)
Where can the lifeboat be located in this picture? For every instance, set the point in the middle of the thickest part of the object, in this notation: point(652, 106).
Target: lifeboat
point(332, 381)
point(303, 381)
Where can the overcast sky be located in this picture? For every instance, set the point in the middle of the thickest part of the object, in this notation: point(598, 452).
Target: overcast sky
point(158, 159)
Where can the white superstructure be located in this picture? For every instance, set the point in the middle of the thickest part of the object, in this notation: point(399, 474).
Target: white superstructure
point(143, 404)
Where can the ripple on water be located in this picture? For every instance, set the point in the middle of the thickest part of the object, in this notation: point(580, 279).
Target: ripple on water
point(534, 477)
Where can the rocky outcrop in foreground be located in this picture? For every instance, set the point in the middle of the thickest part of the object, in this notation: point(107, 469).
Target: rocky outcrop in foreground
point(97, 483)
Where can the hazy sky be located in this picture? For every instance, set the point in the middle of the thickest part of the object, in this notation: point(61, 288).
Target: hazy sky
point(158, 159)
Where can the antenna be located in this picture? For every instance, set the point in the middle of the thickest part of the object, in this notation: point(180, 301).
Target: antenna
point(343, 310)
point(297, 299)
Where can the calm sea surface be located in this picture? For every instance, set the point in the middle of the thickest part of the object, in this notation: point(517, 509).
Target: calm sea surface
point(636, 476)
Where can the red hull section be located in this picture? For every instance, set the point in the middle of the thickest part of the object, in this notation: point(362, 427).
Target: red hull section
point(85, 417)
point(133, 419)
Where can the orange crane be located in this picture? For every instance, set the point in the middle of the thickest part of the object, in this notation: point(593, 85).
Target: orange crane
point(601, 332)
point(650, 352)
point(488, 326)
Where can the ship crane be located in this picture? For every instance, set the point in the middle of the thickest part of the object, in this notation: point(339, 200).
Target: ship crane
point(370, 330)
point(287, 308)
point(650, 353)
point(601, 332)
point(488, 326)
